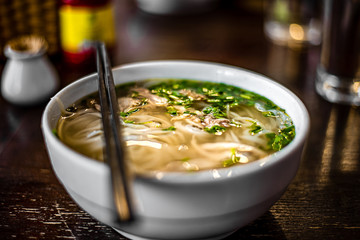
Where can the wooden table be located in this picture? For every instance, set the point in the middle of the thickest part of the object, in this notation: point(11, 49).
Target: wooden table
point(322, 202)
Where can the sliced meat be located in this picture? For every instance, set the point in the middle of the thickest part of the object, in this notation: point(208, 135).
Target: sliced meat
point(193, 95)
point(143, 92)
point(127, 103)
point(210, 121)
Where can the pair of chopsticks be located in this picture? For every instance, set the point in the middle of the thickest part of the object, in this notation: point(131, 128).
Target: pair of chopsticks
point(114, 153)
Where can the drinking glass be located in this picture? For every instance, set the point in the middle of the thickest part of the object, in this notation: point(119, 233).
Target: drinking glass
point(338, 74)
point(293, 22)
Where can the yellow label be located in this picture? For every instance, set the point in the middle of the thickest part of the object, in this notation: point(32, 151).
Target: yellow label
point(78, 24)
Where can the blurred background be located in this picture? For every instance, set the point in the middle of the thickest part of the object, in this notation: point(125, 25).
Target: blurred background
point(282, 39)
point(165, 29)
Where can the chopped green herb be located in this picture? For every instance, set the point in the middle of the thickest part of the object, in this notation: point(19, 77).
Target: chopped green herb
point(128, 121)
point(219, 98)
point(185, 159)
point(55, 132)
point(214, 100)
point(169, 91)
point(188, 112)
point(172, 111)
point(172, 128)
point(280, 140)
point(268, 114)
point(215, 129)
point(215, 111)
point(246, 96)
point(255, 128)
point(126, 114)
point(141, 123)
point(232, 160)
point(148, 122)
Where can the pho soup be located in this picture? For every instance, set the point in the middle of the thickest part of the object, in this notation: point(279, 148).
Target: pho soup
point(177, 125)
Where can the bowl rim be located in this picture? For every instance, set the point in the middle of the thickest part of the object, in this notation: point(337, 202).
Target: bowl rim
point(188, 177)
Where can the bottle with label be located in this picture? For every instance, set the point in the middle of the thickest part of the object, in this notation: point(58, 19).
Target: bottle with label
point(85, 20)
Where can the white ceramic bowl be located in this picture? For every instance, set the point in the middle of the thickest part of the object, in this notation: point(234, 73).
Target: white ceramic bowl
point(207, 204)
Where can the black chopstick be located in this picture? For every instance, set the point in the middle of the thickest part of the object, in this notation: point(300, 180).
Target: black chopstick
point(113, 154)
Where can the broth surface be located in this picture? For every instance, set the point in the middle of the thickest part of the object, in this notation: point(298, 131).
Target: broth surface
point(181, 125)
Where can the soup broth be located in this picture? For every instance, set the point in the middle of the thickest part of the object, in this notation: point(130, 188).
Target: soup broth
point(181, 125)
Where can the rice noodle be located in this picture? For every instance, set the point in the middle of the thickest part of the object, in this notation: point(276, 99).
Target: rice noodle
point(158, 141)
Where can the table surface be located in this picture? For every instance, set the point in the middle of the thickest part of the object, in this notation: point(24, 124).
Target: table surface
point(322, 202)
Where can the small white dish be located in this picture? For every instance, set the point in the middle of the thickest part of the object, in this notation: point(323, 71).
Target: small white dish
point(28, 77)
point(202, 205)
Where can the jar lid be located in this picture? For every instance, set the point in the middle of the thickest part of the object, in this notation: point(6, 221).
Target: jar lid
point(26, 46)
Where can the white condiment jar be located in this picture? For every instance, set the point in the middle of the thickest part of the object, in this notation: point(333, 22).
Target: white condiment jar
point(28, 77)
